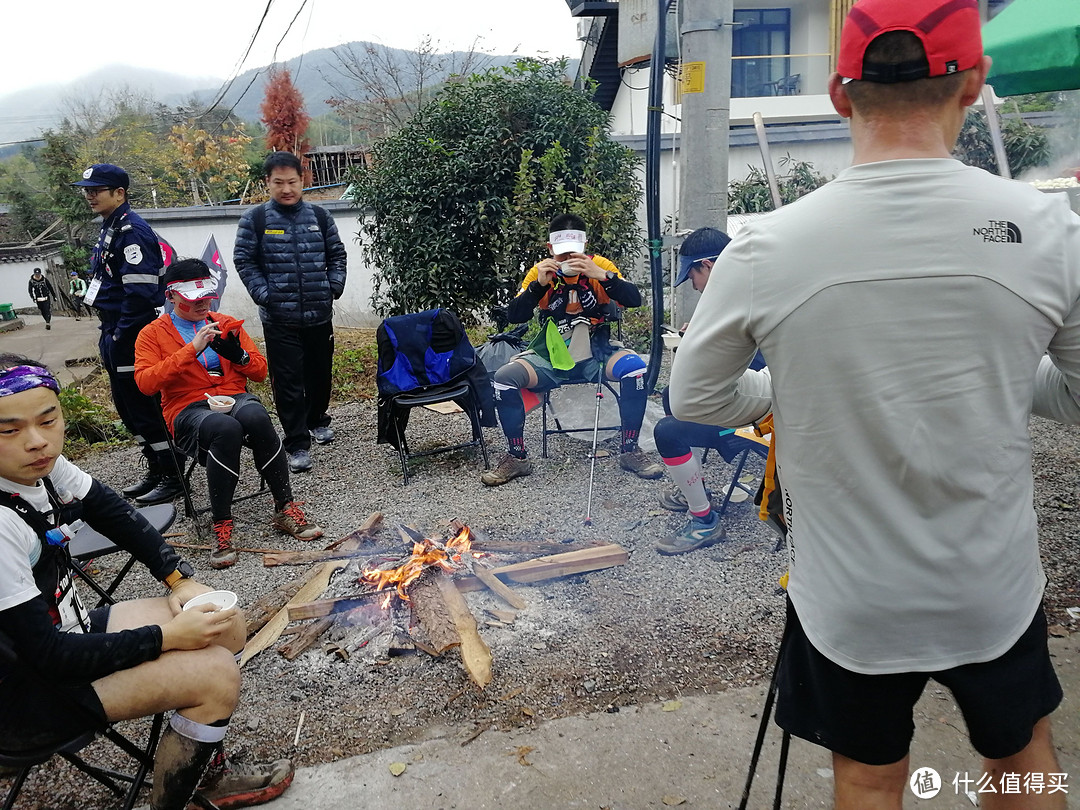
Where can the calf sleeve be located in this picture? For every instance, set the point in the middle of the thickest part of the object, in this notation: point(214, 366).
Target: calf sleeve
point(270, 458)
point(508, 382)
point(222, 437)
point(686, 472)
point(184, 751)
point(629, 370)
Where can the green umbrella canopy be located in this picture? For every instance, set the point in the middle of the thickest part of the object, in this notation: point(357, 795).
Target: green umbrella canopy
point(1035, 45)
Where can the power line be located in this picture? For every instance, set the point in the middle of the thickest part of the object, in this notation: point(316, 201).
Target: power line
point(236, 70)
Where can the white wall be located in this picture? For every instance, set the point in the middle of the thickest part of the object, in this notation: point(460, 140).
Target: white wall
point(15, 275)
point(187, 230)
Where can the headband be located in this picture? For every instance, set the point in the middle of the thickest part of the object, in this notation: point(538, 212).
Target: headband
point(23, 378)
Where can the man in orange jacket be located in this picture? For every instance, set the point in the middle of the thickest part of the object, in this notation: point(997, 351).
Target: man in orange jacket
point(190, 353)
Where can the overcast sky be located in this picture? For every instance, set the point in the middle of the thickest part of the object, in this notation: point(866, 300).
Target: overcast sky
point(62, 40)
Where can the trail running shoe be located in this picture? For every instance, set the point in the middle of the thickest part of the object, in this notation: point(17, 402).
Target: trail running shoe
point(223, 554)
point(292, 520)
point(508, 468)
point(697, 533)
point(322, 435)
point(231, 784)
point(300, 461)
point(640, 464)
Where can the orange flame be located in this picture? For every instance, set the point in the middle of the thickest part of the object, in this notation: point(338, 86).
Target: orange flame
point(424, 555)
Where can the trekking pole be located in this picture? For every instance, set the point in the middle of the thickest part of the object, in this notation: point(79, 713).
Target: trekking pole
point(595, 430)
point(785, 741)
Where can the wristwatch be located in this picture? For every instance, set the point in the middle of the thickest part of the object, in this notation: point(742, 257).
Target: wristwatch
point(183, 571)
point(610, 275)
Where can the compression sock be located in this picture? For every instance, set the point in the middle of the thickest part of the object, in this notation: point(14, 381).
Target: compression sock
point(686, 472)
point(183, 752)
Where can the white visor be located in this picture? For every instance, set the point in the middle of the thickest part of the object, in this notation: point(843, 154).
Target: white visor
point(567, 242)
point(195, 289)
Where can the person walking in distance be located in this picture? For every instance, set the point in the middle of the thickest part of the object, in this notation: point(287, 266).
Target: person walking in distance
point(77, 291)
point(126, 288)
point(914, 312)
point(292, 261)
point(41, 292)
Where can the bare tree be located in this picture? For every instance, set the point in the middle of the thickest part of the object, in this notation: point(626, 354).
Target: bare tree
point(380, 88)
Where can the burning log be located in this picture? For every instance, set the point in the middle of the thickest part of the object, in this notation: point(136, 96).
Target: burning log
point(448, 622)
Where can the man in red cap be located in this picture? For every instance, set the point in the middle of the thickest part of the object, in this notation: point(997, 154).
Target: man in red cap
point(914, 313)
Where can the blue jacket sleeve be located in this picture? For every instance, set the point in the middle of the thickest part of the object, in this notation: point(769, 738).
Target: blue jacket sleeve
point(245, 259)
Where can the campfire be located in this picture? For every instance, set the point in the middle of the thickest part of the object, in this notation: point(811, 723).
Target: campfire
point(417, 599)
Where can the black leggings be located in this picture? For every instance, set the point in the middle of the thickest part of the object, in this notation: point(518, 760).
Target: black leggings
point(221, 437)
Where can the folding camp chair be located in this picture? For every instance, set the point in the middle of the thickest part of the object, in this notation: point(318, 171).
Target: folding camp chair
point(425, 358)
point(612, 316)
point(89, 543)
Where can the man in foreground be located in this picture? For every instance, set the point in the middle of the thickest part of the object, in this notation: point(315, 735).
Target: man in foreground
point(125, 288)
point(574, 292)
point(914, 312)
point(79, 669)
point(291, 259)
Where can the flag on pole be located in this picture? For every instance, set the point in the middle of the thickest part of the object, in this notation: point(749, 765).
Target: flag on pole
point(212, 256)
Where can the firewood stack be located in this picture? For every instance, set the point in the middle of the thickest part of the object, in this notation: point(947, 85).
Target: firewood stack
point(415, 600)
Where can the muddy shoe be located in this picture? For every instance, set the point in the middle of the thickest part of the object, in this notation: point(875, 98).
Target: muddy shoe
point(240, 784)
point(640, 464)
point(223, 554)
point(292, 520)
point(697, 533)
point(509, 468)
point(674, 501)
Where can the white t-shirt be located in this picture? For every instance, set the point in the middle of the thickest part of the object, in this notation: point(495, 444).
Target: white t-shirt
point(904, 310)
point(20, 547)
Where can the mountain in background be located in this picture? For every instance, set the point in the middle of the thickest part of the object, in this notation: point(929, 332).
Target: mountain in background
point(26, 113)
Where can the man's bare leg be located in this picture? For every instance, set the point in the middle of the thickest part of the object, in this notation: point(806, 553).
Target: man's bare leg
point(1038, 756)
point(859, 786)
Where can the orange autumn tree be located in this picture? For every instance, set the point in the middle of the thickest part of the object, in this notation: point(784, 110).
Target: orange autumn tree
point(286, 121)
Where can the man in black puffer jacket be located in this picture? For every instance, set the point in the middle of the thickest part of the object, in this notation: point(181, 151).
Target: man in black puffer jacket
point(292, 261)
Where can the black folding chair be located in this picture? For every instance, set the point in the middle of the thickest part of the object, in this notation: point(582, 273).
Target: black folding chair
point(88, 544)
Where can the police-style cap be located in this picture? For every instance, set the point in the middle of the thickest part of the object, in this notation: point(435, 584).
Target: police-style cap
point(704, 243)
point(948, 29)
point(104, 174)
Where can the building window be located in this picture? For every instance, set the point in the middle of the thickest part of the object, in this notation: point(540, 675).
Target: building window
point(763, 32)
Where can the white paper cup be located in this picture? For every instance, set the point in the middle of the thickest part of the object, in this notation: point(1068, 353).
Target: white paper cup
point(222, 600)
point(221, 404)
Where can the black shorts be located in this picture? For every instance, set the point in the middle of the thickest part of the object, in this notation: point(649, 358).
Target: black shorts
point(868, 718)
point(33, 714)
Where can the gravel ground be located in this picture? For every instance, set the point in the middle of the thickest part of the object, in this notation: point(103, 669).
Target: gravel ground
point(656, 628)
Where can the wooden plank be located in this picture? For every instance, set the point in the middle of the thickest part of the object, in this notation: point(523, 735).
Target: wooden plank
point(557, 565)
point(306, 637)
point(475, 654)
point(497, 586)
point(330, 607)
point(266, 606)
point(270, 632)
point(350, 547)
point(364, 530)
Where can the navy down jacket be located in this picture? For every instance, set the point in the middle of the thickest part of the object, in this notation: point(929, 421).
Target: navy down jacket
point(293, 271)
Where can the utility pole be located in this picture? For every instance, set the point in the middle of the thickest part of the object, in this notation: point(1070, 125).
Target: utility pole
point(706, 117)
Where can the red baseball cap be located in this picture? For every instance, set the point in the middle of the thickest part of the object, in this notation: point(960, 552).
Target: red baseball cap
point(950, 31)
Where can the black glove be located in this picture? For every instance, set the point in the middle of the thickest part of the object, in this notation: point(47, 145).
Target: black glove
point(229, 347)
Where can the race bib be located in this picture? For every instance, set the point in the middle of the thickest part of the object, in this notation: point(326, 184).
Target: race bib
point(133, 254)
point(92, 291)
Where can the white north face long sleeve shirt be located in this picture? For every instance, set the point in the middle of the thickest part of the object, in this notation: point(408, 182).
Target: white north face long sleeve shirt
point(908, 311)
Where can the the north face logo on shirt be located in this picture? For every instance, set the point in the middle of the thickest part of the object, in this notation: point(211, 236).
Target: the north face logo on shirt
point(998, 230)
